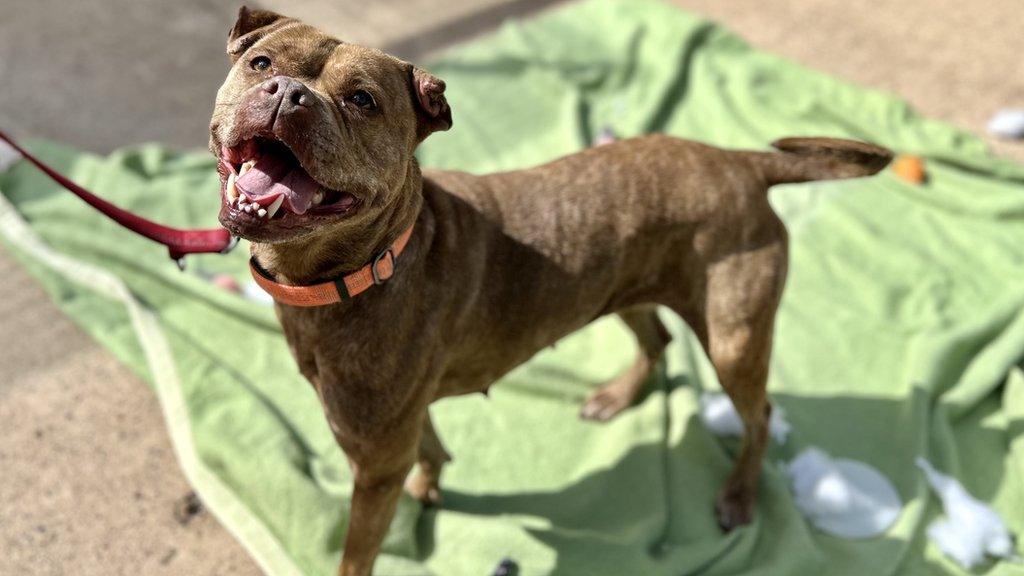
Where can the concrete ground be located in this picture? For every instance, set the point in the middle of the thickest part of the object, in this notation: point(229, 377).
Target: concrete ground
point(88, 480)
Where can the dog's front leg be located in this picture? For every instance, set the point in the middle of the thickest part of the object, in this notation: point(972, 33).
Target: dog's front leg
point(373, 505)
point(380, 466)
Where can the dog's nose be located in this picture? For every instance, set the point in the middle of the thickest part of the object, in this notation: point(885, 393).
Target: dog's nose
point(294, 95)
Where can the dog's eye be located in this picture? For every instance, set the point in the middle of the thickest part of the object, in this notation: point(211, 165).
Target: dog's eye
point(362, 99)
point(260, 63)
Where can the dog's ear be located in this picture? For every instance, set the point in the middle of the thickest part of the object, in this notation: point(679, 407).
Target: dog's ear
point(432, 109)
point(249, 28)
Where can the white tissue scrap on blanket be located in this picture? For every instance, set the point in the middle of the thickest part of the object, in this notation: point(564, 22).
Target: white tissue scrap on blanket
point(720, 417)
point(1007, 123)
point(843, 497)
point(971, 529)
point(8, 156)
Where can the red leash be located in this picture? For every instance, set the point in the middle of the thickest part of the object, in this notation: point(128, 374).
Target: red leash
point(179, 242)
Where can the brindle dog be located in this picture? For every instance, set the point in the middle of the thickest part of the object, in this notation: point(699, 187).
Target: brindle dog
point(316, 139)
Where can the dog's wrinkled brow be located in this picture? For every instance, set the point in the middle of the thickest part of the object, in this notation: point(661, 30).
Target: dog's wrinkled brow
point(317, 56)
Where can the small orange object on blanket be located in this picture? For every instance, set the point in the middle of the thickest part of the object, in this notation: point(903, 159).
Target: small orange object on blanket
point(910, 168)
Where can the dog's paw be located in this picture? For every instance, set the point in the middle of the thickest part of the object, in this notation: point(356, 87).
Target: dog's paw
point(423, 489)
point(605, 404)
point(733, 509)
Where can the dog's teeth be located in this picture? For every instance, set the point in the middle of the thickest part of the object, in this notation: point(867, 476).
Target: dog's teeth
point(274, 207)
point(232, 193)
point(248, 208)
point(318, 198)
point(261, 212)
point(245, 167)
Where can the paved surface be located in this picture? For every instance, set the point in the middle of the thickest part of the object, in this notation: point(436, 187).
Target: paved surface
point(89, 483)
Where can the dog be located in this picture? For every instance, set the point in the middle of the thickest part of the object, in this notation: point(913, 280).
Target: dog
point(396, 288)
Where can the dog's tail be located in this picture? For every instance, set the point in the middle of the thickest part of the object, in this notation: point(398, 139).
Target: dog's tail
point(806, 159)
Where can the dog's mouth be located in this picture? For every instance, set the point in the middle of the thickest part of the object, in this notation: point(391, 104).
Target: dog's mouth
point(264, 182)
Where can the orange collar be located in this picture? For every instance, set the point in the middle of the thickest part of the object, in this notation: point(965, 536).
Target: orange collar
point(376, 272)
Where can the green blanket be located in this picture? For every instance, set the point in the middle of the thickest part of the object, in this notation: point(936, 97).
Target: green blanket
point(899, 335)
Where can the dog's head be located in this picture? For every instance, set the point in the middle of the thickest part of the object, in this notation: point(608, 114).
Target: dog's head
point(314, 134)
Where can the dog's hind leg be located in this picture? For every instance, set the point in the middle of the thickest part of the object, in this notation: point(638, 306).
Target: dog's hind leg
point(743, 295)
point(618, 394)
point(425, 484)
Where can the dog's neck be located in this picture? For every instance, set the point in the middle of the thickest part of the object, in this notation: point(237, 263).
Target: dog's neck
point(324, 256)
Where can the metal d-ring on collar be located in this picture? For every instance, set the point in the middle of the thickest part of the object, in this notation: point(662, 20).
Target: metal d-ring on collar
point(377, 280)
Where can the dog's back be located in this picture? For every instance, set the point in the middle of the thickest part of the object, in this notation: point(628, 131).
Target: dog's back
point(545, 250)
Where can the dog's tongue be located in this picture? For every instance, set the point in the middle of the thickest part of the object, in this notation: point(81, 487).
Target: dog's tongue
point(274, 175)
